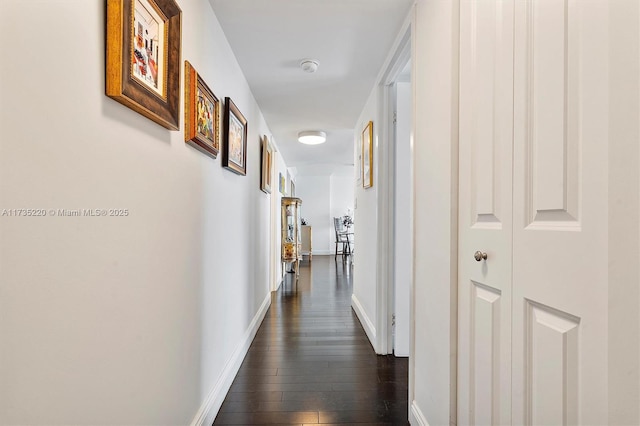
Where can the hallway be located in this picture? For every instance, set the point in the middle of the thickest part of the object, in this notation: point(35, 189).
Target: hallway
point(312, 363)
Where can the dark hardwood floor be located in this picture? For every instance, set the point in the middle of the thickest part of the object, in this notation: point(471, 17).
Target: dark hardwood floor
point(312, 363)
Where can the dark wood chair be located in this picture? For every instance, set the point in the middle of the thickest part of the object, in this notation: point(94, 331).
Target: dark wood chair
point(342, 237)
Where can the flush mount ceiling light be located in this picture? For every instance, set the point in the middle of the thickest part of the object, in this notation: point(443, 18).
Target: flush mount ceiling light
point(309, 65)
point(312, 137)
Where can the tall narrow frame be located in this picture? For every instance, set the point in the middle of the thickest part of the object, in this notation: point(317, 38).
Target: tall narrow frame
point(367, 155)
point(234, 153)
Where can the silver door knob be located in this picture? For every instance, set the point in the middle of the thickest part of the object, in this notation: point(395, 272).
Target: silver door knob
point(480, 255)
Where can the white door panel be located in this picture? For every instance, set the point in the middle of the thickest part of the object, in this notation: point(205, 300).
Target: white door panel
point(560, 213)
point(486, 127)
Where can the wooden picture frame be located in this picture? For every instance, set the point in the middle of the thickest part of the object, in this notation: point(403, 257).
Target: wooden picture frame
point(143, 58)
point(234, 153)
point(367, 155)
point(357, 148)
point(266, 151)
point(281, 185)
point(202, 113)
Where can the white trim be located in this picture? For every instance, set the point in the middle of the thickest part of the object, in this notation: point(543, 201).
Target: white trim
point(416, 417)
point(210, 407)
point(398, 57)
point(323, 253)
point(412, 300)
point(368, 326)
point(391, 68)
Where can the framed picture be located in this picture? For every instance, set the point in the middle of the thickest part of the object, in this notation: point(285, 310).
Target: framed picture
point(265, 171)
point(234, 154)
point(357, 147)
point(367, 156)
point(202, 113)
point(143, 58)
point(282, 184)
point(293, 189)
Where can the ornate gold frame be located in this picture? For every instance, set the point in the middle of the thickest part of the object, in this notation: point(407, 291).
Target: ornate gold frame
point(267, 161)
point(121, 85)
point(193, 83)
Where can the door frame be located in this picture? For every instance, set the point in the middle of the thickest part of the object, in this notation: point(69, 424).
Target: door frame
point(398, 59)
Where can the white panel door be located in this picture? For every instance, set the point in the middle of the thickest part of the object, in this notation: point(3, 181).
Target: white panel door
point(533, 340)
point(560, 299)
point(485, 212)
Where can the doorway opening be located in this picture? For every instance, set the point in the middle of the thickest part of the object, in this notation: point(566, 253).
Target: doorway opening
point(402, 213)
point(395, 205)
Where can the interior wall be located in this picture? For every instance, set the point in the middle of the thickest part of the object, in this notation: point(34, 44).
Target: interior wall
point(366, 219)
point(315, 193)
point(624, 204)
point(434, 74)
point(130, 319)
point(342, 195)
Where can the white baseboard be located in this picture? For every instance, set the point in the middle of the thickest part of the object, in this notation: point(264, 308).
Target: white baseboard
point(322, 253)
point(210, 407)
point(416, 417)
point(368, 326)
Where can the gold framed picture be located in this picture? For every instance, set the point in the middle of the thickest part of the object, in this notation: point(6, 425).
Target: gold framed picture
point(143, 58)
point(367, 155)
point(202, 113)
point(267, 159)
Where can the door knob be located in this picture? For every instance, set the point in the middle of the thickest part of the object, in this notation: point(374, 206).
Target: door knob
point(480, 255)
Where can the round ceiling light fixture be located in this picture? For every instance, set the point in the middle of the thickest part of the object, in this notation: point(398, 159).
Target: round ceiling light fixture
point(312, 137)
point(309, 65)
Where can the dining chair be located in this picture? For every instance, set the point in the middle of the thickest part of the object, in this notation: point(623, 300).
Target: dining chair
point(342, 237)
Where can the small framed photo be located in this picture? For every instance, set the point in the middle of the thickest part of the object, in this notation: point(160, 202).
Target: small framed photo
point(282, 184)
point(367, 155)
point(267, 159)
point(202, 113)
point(234, 154)
point(143, 58)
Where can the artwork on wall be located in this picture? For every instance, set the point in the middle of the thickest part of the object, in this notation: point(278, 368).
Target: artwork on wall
point(202, 113)
point(267, 160)
point(358, 162)
point(367, 156)
point(282, 184)
point(143, 58)
point(234, 154)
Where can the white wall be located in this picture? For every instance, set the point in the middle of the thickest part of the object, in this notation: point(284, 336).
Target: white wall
point(366, 219)
point(434, 74)
point(624, 205)
point(342, 195)
point(403, 216)
point(118, 320)
point(315, 193)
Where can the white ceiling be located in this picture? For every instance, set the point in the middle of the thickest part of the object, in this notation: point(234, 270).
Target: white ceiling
point(350, 39)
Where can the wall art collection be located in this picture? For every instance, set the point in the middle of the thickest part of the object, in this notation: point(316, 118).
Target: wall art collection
point(143, 64)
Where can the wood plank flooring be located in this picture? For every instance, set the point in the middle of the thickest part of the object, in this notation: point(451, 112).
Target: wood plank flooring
point(311, 362)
